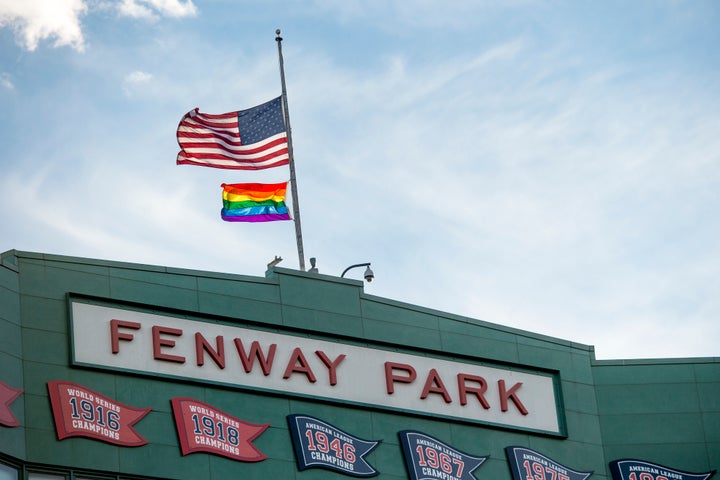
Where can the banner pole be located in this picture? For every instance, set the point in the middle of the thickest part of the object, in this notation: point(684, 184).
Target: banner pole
point(293, 181)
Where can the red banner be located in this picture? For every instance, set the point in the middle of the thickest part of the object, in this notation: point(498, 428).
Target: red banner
point(8, 395)
point(203, 428)
point(81, 412)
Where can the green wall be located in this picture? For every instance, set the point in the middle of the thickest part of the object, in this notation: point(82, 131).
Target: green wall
point(663, 411)
point(35, 348)
point(12, 440)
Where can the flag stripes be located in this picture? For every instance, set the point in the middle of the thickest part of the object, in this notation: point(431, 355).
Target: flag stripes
point(250, 139)
point(254, 202)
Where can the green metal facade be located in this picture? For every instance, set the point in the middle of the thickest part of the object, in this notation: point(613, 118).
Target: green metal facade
point(664, 411)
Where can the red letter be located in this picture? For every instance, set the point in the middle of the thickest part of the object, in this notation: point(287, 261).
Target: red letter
point(116, 336)
point(505, 394)
point(158, 343)
point(249, 360)
point(217, 355)
point(434, 384)
point(332, 365)
point(390, 377)
point(478, 391)
point(296, 358)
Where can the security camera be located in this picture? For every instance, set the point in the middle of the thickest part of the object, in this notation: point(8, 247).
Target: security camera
point(369, 275)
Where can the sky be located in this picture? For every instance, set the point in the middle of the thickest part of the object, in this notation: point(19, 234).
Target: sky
point(551, 166)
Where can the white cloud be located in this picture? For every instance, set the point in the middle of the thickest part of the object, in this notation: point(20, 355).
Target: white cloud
point(6, 82)
point(138, 77)
point(398, 14)
point(37, 20)
point(59, 20)
point(150, 9)
point(134, 80)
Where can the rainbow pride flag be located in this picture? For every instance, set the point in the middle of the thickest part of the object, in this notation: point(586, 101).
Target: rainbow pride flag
point(254, 202)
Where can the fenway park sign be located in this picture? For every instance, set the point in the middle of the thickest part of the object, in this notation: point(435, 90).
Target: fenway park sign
point(129, 340)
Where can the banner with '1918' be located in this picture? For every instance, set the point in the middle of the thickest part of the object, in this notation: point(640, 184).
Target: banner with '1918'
point(204, 428)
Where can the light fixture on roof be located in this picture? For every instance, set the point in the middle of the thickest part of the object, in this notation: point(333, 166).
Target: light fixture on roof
point(369, 275)
point(313, 268)
point(274, 262)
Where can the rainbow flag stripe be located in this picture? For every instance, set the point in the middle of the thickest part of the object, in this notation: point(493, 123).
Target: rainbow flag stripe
point(254, 202)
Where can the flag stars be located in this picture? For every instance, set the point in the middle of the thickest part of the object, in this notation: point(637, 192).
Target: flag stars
point(261, 122)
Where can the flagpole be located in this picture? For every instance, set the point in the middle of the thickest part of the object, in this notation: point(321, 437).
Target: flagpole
point(293, 181)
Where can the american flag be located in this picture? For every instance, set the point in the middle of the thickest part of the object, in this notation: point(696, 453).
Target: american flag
point(251, 139)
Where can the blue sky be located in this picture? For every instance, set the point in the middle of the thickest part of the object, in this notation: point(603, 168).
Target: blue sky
point(549, 166)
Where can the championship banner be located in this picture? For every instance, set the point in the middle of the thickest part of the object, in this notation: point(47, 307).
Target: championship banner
point(629, 469)
point(8, 395)
point(81, 412)
point(320, 445)
point(428, 458)
point(204, 428)
point(526, 463)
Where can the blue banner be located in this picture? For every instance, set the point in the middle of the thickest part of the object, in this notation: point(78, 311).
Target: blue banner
point(629, 469)
point(428, 458)
point(320, 445)
point(526, 463)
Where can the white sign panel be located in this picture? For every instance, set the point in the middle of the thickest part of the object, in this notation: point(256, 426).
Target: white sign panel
point(210, 352)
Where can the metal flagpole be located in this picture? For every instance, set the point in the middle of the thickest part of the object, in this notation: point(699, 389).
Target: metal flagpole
point(293, 181)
